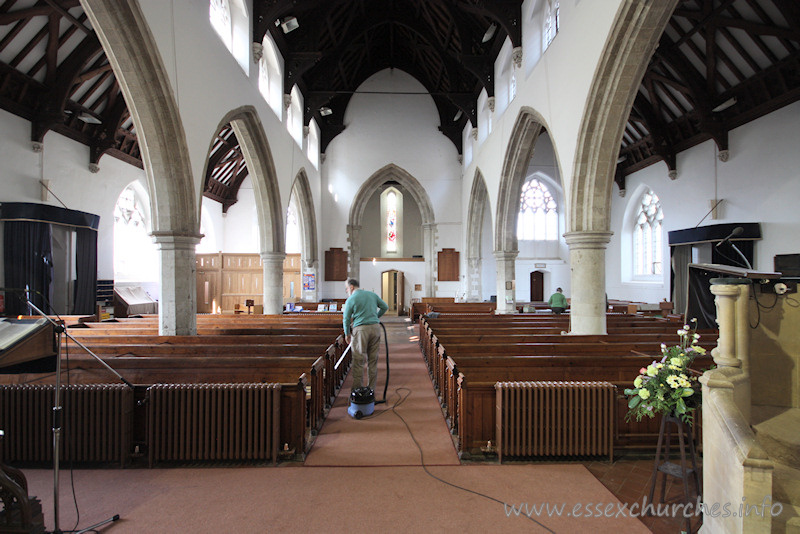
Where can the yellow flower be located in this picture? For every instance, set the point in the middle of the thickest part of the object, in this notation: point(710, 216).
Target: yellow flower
point(637, 383)
point(644, 394)
point(676, 361)
point(651, 370)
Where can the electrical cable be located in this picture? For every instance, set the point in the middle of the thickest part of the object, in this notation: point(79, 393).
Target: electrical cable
point(400, 401)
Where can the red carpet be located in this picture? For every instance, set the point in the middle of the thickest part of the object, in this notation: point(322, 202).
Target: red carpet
point(383, 439)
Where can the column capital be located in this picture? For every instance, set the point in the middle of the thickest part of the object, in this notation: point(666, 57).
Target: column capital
point(503, 255)
point(588, 239)
point(176, 240)
point(272, 256)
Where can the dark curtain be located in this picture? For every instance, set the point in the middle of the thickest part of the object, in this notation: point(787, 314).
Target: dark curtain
point(86, 275)
point(28, 264)
point(701, 304)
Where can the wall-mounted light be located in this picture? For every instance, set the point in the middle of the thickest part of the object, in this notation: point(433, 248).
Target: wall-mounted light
point(330, 188)
point(288, 24)
point(89, 119)
point(325, 111)
point(458, 115)
point(374, 261)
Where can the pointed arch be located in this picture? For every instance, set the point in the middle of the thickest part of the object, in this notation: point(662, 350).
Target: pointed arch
point(520, 149)
point(308, 220)
point(637, 29)
point(420, 196)
point(143, 80)
point(478, 202)
point(261, 167)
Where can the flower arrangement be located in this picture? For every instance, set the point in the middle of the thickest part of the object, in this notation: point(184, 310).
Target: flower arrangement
point(668, 387)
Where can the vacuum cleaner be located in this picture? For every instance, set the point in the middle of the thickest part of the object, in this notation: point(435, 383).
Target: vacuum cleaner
point(362, 400)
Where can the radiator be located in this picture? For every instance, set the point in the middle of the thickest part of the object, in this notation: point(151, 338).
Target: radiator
point(190, 422)
point(96, 423)
point(544, 419)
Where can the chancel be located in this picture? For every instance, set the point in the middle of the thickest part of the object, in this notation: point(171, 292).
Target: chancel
point(186, 185)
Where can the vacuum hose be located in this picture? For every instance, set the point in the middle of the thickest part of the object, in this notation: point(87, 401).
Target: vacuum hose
point(386, 385)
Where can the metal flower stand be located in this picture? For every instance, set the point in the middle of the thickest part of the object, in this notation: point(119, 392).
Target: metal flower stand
point(685, 470)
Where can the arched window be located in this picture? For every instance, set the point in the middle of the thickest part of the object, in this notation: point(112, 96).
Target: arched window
point(294, 116)
point(647, 236)
point(551, 22)
point(270, 77)
point(219, 13)
point(294, 243)
point(392, 222)
point(135, 255)
point(538, 213)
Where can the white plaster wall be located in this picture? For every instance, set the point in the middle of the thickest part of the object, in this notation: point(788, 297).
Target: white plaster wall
point(759, 183)
point(400, 129)
point(207, 83)
point(65, 163)
point(488, 262)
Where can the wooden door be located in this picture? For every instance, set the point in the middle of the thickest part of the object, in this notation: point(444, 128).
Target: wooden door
point(537, 286)
point(208, 292)
point(400, 293)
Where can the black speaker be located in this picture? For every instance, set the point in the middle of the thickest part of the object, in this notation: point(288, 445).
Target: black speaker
point(787, 264)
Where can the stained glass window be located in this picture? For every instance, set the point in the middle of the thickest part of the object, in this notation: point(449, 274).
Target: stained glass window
point(391, 222)
point(538, 213)
point(647, 236)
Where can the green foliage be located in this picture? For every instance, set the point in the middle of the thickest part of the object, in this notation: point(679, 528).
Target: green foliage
point(668, 387)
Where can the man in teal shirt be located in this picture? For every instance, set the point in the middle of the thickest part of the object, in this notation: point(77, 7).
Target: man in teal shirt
point(364, 308)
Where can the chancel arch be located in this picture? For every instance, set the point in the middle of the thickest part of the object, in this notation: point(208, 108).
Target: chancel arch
point(388, 173)
point(143, 80)
point(633, 38)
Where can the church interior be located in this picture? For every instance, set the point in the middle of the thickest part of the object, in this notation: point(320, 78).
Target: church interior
point(187, 185)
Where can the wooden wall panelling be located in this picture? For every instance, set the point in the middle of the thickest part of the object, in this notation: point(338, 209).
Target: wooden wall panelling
point(335, 265)
point(448, 265)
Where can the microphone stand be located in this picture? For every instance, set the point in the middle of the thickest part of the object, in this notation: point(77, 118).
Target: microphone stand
point(739, 252)
point(57, 413)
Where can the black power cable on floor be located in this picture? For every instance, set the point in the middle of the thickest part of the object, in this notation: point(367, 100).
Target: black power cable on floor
point(401, 400)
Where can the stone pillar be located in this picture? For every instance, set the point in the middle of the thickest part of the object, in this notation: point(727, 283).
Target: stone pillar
point(354, 256)
point(428, 250)
point(272, 263)
point(506, 269)
point(728, 292)
point(310, 267)
point(733, 343)
point(474, 280)
point(177, 309)
point(587, 256)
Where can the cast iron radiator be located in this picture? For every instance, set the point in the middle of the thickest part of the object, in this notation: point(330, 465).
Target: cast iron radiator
point(96, 423)
point(555, 418)
point(190, 422)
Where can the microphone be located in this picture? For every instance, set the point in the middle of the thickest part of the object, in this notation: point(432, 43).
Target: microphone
point(736, 231)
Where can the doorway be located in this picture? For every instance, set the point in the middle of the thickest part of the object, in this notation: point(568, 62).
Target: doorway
point(392, 291)
point(537, 286)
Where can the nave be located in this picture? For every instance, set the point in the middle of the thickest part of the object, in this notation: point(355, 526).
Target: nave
point(358, 475)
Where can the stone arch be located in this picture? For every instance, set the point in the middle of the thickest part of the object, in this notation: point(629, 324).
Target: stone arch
point(261, 168)
point(478, 200)
point(143, 80)
point(520, 149)
point(308, 225)
point(412, 185)
point(637, 29)
point(634, 36)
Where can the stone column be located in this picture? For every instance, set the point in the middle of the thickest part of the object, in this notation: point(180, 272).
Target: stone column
point(177, 310)
point(310, 267)
point(272, 263)
point(474, 280)
point(733, 343)
point(506, 269)
point(587, 256)
point(354, 256)
point(428, 250)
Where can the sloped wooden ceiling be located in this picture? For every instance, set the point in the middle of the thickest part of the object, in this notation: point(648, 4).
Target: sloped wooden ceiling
point(720, 64)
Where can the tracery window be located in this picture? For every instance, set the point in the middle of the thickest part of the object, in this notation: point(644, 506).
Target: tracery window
point(538, 213)
point(647, 236)
point(135, 255)
point(293, 238)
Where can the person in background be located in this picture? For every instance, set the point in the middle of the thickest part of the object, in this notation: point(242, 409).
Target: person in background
point(557, 302)
point(364, 308)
